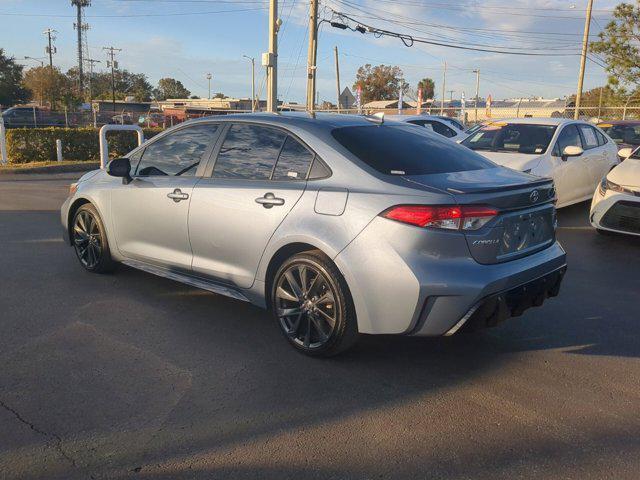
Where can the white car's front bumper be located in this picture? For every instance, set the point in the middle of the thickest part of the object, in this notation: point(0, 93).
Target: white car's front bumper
point(616, 212)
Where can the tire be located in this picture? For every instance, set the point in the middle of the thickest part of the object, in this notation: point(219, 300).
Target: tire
point(311, 303)
point(89, 240)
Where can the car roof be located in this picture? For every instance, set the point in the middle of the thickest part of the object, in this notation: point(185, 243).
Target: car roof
point(620, 122)
point(406, 118)
point(538, 121)
point(298, 119)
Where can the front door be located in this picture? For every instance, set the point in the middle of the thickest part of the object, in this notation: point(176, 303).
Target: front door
point(569, 174)
point(259, 174)
point(150, 214)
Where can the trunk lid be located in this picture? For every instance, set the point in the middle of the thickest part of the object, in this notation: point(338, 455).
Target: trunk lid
point(526, 220)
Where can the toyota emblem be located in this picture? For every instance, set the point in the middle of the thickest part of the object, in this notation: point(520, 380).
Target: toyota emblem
point(534, 196)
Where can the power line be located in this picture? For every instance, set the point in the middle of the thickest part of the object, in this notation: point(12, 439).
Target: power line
point(130, 15)
point(409, 40)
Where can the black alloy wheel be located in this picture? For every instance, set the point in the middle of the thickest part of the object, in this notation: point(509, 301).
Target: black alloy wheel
point(312, 304)
point(90, 241)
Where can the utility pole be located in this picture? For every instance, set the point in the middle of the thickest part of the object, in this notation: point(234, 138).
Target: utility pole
point(444, 83)
point(91, 63)
point(270, 59)
point(253, 81)
point(335, 49)
point(50, 50)
point(312, 54)
point(80, 27)
point(583, 58)
point(475, 106)
point(209, 76)
point(113, 64)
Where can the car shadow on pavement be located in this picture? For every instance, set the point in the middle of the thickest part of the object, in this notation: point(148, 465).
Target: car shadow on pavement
point(130, 374)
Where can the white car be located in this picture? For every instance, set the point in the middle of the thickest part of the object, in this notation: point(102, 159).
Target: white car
point(616, 202)
point(575, 154)
point(446, 127)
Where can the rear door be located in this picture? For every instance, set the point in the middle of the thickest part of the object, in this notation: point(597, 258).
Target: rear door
point(150, 214)
point(258, 176)
point(595, 157)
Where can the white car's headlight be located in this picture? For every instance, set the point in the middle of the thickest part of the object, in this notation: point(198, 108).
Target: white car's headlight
point(607, 184)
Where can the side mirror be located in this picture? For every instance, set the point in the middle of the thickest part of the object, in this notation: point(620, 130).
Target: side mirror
point(120, 167)
point(625, 152)
point(571, 151)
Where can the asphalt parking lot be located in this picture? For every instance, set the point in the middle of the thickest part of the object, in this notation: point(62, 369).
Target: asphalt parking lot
point(131, 375)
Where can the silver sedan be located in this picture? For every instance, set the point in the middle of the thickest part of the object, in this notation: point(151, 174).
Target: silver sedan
point(338, 224)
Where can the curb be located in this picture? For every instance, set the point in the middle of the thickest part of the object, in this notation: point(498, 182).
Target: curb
point(73, 168)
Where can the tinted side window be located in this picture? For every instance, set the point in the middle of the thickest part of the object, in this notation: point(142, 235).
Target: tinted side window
point(294, 161)
point(178, 153)
point(405, 150)
point(569, 136)
point(249, 151)
point(437, 127)
point(589, 137)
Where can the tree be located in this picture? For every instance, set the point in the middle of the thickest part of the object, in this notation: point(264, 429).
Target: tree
point(619, 45)
point(428, 88)
point(126, 84)
point(46, 83)
point(11, 89)
point(170, 88)
point(382, 82)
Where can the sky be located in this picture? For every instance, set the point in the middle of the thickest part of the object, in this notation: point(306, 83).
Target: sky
point(186, 39)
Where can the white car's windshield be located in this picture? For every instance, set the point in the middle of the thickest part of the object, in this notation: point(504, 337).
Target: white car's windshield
point(511, 137)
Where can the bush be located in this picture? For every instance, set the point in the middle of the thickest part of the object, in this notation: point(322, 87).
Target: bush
point(39, 144)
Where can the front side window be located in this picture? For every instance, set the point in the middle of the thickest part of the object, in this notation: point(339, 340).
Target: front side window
point(406, 150)
point(178, 153)
point(569, 137)
point(511, 137)
point(249, 152)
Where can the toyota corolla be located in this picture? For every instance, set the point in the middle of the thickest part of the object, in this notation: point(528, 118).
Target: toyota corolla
point(338, 224)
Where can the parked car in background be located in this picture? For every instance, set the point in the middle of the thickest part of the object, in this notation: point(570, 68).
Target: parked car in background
point(616, 202)
point(339, 224)
point(626, 133)
point(575, 154)
point(453, 121)
point(30, 117)
point(464, 134)
point(436, 123)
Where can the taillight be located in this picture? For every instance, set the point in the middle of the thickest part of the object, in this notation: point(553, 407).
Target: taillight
point(465, 217)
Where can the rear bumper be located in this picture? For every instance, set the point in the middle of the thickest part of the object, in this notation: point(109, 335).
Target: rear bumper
point(497, 307)
point(406, 280)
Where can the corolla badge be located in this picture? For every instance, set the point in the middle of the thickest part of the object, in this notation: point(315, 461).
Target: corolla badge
point(534, 196)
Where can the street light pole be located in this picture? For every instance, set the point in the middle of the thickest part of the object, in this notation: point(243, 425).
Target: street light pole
point(41, 62)
point(209, 76)
point(477, 72)
point(444, 83)
point(253, 82)
point(583, 58)
point(335, 49)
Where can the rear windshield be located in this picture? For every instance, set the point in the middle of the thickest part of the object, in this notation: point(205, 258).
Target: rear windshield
point(407, 150)
point(511, 137)
point(629, 134)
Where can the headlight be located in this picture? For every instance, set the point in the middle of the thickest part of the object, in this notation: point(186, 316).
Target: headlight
point(607, 184)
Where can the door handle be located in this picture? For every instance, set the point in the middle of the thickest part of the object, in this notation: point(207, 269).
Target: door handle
point(177, 195)
point(269, 200)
